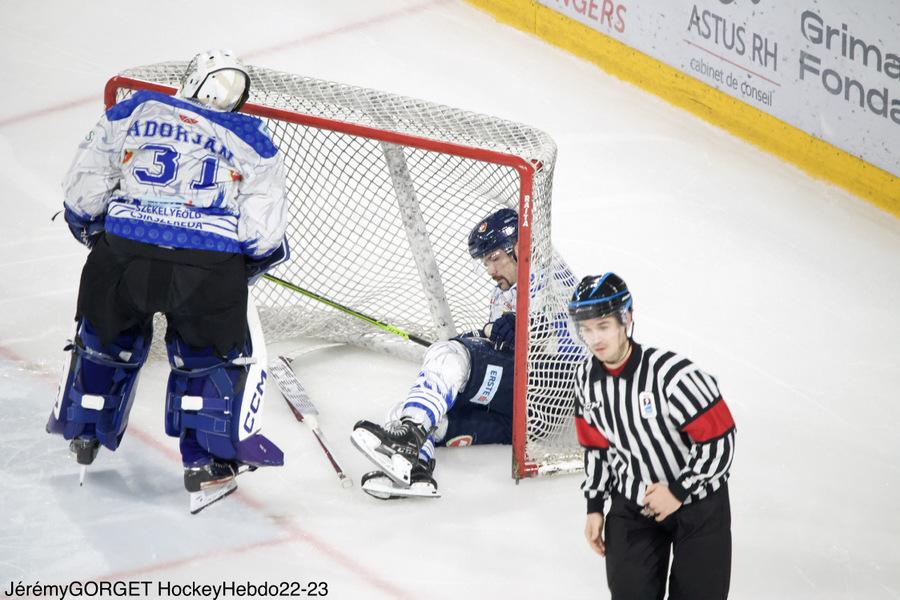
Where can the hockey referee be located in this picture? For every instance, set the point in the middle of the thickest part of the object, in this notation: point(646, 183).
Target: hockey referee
point(659, 441)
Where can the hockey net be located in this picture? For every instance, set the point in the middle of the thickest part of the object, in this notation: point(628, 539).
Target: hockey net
point(383, 191)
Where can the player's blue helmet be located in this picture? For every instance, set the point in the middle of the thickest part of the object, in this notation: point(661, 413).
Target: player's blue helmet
point(600, 295)
point(499, 230)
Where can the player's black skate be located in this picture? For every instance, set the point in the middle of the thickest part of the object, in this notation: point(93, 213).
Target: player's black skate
point(210, 482)
point(393, 448)
point(422, 483)
point(85, 450)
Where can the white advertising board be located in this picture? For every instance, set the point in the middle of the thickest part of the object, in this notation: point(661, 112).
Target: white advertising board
point(828, 67)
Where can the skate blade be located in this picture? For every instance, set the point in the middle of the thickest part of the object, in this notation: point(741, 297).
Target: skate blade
point(383, 488)
point(81, 474)
point(217, 483)
point(208, 495)
point(395, 466)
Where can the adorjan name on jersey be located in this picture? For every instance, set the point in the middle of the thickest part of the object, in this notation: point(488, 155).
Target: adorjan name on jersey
point(150, 128)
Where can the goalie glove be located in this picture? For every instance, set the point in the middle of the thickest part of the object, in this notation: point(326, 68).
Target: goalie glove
point(84, 229)
point(256, 268)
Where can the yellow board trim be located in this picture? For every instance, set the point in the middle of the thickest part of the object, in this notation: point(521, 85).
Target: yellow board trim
point(816, 157)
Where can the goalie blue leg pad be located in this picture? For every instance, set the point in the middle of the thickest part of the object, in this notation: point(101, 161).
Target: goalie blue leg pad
point(193, 454)
point(96, 394)
point(214, 404)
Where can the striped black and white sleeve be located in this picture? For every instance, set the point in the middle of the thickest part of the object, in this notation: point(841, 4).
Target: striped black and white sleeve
point(699, 411)
point(597, 480)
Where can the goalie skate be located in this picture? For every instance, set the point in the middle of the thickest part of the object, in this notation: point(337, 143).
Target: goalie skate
point(392, 449)
point(423, 485)
point(211, 494)
point(211, 482)
point(85, 451)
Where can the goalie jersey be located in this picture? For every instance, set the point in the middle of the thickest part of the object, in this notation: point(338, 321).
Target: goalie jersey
point(168, 172)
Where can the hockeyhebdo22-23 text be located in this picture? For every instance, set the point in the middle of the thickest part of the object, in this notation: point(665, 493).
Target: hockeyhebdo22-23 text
point(165, 589)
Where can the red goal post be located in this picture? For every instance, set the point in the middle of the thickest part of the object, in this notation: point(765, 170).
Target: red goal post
point(353, 156)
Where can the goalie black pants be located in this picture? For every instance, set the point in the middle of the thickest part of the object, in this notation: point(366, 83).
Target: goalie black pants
point(202, 293)
point(698, 535)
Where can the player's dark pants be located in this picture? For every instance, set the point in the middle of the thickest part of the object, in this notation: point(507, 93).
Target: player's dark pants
point(202, 293)
point(637, 551)
point(482, 412)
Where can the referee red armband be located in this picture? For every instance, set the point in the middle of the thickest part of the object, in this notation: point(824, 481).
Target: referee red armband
point(588, 436)
point(713, 423)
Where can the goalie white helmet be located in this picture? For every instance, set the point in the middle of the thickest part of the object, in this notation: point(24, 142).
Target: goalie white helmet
point(218, 79)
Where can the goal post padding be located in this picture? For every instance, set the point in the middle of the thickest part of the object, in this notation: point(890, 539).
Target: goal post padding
point(383, 191)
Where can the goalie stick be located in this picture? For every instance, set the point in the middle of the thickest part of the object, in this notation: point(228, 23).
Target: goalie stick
point(304, 410)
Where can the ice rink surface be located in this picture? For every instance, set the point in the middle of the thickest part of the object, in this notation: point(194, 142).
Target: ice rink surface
point(784, 287)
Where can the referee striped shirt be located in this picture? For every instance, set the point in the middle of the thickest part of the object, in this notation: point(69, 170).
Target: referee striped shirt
point(659, 419)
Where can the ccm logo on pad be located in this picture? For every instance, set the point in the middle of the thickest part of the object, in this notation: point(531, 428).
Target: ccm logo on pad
point(250, 419)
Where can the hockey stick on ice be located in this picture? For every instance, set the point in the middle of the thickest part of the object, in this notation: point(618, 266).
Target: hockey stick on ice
point(291, 356)
point(346, 309)
point(304, 410)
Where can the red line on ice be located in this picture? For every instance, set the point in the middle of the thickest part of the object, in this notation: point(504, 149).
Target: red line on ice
point(294, 533)
point(356, 26)
point(315, 37)
point(43, 112)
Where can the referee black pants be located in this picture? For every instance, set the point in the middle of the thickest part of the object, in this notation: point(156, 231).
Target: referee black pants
point(638, 550)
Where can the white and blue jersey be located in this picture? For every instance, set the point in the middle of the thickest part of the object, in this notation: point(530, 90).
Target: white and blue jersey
point(170, 172)
point(562, 282)
point(503, 301)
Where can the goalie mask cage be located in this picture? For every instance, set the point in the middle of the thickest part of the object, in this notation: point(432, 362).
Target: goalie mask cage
point(383, 191)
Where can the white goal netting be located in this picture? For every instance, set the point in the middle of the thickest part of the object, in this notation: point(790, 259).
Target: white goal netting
point(383, 192)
